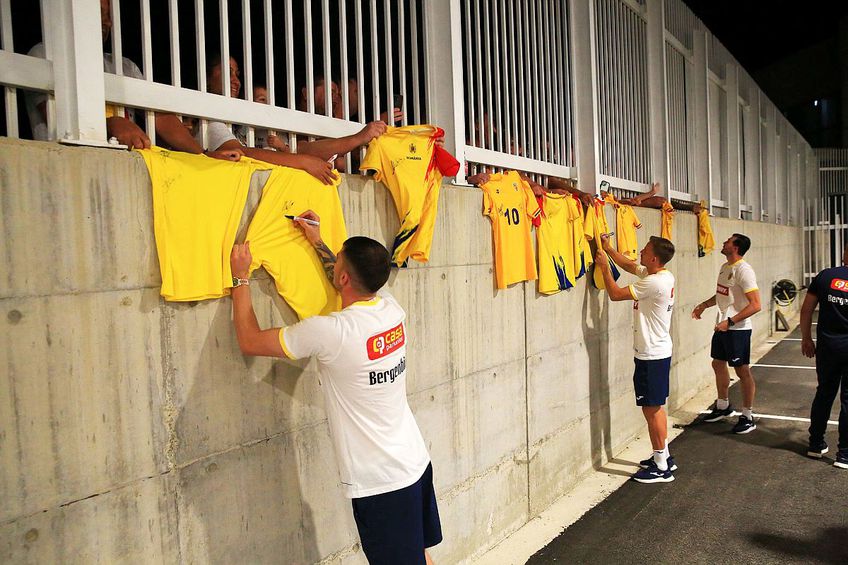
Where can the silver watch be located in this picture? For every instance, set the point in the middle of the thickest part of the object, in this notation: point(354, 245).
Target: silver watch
point(240, 282)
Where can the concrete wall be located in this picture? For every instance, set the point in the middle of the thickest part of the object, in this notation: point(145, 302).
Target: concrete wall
point(134, 431)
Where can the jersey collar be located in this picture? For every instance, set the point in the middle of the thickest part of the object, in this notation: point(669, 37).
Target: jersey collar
point(372, 302)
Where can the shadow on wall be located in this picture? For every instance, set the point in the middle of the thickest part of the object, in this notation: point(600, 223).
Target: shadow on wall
point(599, 408)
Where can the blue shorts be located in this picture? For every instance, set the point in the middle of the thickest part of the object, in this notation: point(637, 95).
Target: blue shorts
point(733, 346)
point(650, 381)
point(395, 527)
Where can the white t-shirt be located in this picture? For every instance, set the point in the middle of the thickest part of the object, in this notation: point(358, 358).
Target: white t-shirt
point(361, 355)
point(654, 296)
point(733, 282)
point(217, 134)
point(33, 99)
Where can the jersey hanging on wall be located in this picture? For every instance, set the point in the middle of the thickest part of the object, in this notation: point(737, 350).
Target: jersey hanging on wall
point(411, 165)
point(197, 207)
point(554, 244)
point(626, 224)
point(596, 224)
point(706, 241)
point(510, 205)
point(278, 244)
point(667, 220)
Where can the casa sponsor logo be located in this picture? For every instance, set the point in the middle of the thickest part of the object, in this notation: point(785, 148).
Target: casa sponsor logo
point(386, 342)
point(839, 284)
point(722, 290)
point(380, 377)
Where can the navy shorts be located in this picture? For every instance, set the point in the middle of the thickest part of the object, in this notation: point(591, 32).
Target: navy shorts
point(395, 527)
point(650, 381)
point(733, 346)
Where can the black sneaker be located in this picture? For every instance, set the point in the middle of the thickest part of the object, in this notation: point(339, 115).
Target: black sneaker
point(816, 450)
point(653, 475)
point(841, 459)
point(744, 425)
point(649, 462)
point(715, 415)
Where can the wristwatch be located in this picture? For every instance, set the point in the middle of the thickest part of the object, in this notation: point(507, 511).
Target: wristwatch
point(240, 282)
point(730, 322)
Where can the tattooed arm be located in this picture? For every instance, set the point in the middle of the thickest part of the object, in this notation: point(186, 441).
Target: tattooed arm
point(313, 234)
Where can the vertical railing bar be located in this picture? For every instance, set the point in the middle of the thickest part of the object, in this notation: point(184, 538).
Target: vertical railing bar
point(147, 65)
point(506, 124)
point(549, 110)
point(247, 64)
point(633, 95)
point(291, 95)
point(565, 82)
point(468, 77)
point(390, 72)
point(512, 133)
point(360, 65)
point(480, 125)
point(328, 71)
point(49, 49)
point(344, 80)
point(495, 77)
point(174, 24)
point(11, 99)
point(310, 61)
point(556, 37)
point(533, 104)
point(375, 60)
point(490, 137)
point(522, 83)
point(401, 24)
point(200, 47)
point(6, 37)
point(416, 89)
point(224, 32)
point(269, 52)
point(117, 38)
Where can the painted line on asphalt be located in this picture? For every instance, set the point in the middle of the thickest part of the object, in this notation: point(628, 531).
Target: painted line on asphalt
point(782, 366)
point(775, 417)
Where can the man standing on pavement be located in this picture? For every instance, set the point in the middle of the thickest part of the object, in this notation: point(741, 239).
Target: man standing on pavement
point(737, 298)
point(383, 462)
point(654, 301)
point(829, 290)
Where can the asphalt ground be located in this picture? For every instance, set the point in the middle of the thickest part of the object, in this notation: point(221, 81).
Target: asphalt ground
point(753, 498)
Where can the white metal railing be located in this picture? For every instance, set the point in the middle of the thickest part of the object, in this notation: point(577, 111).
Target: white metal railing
point(516, 85)
point(627, 91)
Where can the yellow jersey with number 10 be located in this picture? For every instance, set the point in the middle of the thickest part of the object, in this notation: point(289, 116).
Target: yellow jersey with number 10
point(510, 205)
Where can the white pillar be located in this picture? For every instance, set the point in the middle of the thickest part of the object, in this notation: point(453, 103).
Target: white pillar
point(445, 93)
point(75, 44)
point(584, 92)
point(699, 158)
point(731, 121)
point(657, 94)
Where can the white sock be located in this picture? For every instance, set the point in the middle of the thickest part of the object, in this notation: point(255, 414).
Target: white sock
point(665, 451)
point(722, 403)
point(661, 459)
point(747, 413)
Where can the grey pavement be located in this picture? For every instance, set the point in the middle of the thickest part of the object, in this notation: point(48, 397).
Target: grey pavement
point(753, 498)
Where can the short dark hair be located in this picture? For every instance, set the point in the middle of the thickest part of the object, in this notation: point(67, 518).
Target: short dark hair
point(663, 248)
point(742, 243)
point(369, 262)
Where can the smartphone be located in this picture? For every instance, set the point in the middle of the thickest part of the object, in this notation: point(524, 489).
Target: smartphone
point(397, 101)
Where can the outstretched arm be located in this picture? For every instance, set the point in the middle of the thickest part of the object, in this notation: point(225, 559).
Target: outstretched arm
point(252, 339)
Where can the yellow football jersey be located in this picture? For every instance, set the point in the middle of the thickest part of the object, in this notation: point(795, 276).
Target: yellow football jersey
point(594, 225)
point(278, 244)
point(403, 161)
point(706, 242)
point(581, 252)
point(510, 205)
point(555, 244)
point(626, 224)
point(667, 220)
point(197, 207)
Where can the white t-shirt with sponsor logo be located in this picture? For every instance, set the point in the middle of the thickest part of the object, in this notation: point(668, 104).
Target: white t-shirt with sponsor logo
point(733, 282)
point(654, 296)
point(361, 355)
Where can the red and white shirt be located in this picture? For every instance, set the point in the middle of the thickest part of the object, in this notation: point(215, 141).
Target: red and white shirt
point(361, 354)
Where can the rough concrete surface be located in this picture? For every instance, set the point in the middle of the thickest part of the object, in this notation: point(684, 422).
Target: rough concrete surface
point(133, 430)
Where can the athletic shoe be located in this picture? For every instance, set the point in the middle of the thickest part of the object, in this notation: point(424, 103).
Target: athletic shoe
point(715, 415)
point(841, 459)
point(817, 450)
point(744, 425)
point(654, 475)
point(649, 462)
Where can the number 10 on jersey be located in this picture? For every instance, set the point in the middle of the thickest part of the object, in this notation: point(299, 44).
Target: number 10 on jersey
point(512, 217)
